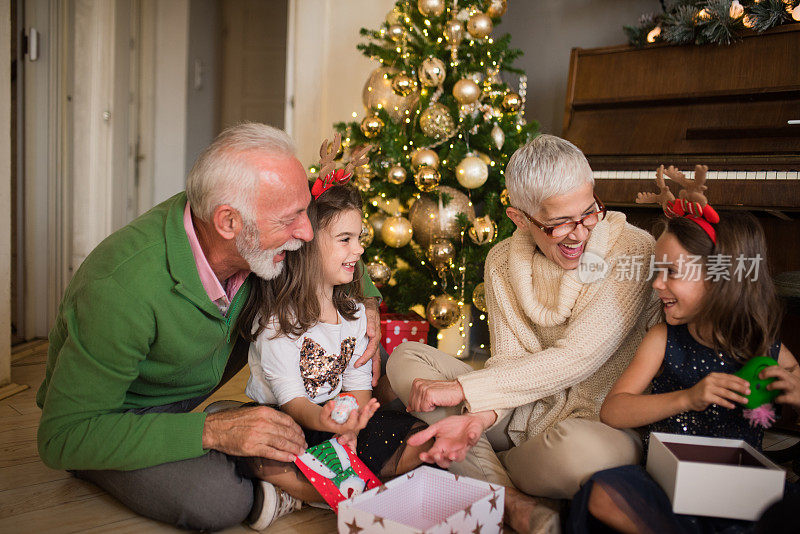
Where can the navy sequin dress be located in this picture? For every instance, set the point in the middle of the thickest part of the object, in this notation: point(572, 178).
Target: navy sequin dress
point(686, 362)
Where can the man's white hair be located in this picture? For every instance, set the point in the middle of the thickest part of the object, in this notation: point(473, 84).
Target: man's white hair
point(224, 172)
point(545, 167)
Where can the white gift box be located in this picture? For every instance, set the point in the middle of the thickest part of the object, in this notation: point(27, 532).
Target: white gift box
point(425, 500)
point(713, 476)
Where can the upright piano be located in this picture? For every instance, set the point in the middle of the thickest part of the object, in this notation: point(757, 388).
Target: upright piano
point(734, 108)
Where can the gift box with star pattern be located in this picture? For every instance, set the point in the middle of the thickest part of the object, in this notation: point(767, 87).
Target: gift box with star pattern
point(397, 328)
point(425, 501)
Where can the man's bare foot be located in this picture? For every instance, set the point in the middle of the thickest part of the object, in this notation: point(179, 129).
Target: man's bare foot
point(526, 514)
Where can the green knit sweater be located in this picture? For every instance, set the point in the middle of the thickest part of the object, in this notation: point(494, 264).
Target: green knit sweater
point(135, 329)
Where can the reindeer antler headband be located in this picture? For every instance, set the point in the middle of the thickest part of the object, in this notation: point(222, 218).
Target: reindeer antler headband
point(691, 202)
point(328, 174)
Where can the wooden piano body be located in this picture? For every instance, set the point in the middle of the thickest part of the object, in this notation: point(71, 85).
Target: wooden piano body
point(734, 108)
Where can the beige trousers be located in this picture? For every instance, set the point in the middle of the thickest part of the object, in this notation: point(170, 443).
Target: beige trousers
point(551, 464)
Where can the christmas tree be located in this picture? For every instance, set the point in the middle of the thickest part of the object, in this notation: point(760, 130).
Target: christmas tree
point(442, 125)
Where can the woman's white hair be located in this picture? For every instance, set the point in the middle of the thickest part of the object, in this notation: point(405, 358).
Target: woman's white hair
point(224, 172)
point(545, 167)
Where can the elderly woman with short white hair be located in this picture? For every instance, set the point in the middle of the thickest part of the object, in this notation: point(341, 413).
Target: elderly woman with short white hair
point(567, 310)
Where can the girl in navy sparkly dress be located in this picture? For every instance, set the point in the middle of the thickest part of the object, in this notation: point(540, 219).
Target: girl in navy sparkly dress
point(715, 321)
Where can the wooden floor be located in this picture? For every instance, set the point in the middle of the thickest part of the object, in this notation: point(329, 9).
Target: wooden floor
point(34, 498)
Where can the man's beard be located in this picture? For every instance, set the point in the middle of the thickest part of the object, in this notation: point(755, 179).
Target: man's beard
point(261, 261)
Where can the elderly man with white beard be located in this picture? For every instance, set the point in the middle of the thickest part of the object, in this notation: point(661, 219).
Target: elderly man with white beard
point(147, 329)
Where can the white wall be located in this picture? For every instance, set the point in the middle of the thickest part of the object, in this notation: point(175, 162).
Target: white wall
point(202, 96)
point(546, 31)
point(328, 72)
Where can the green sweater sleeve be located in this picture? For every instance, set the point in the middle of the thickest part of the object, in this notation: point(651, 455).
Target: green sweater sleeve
point(107, 333)
point(367, 287)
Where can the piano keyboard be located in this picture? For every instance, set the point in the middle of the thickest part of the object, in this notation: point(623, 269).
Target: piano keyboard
point(710, 175)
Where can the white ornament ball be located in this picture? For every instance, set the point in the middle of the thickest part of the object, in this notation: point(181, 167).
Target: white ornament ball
point(472, 172)
point(343, 405)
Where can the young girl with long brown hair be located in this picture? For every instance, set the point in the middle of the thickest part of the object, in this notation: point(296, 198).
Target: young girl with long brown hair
point(311, 331)
point(716, 320)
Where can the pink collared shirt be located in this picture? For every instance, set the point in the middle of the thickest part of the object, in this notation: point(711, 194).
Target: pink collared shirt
point(218, 295)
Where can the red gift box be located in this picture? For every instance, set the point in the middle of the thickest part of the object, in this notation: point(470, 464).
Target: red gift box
point(399, 327)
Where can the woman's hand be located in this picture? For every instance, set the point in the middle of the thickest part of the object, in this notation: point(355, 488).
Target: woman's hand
point(428, 394)
point(786, 381)
point(356, 421)
point(454, 437)
point(717, 388)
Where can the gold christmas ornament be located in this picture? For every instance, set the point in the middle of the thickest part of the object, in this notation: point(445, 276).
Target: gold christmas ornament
point(427, 179)
point(796, 13)
point(479, 297)
point(483, 230)
point(378, 93)
point(393, 17)
point(466, 91)
point(436, 122)
point(736, 10)
point(497, 8)
point(372, 126)
point(367, 233)
point(432, 72)
point(396, 231)
point(379, 272)
point(431, 8)
point(472, 172)
point(390, 206)
point(498, 136)
point(512, 102)
point(377, 220)
point(396, 32)
point(484, 157)
point(441, 253)
point(479, 25)
point(443, 311)
point(404, 85)
point(425, 157)
point(396, 175)
point(454, 32)
point(363, 175)
point(430, 217)
point(504, 197)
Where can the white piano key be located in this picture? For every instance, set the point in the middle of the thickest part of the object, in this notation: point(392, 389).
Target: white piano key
point(722, 175)
point(772, 175)
point(646, 175)
point(750, 175)
point(761, 175)
point(793, 175)
point(781, 175)
point(741, 175)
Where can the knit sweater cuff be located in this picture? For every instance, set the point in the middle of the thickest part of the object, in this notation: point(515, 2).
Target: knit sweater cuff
point(187, 440)
point(477, 397)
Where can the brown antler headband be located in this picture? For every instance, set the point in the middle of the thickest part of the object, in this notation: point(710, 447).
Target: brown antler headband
point(328, 175)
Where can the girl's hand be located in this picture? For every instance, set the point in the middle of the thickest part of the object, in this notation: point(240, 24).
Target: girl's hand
point(356, 421)
point(786, 381)
point(717, 388)
point(350, 439)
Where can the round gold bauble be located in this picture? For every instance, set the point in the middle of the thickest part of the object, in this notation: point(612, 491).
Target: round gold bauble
point(431, 8)
point(483, 230)
point(378, 272)
point(393, 17)
point(378, 93)
point(427, 179)
point(436, 122)
point(432, 218)
point(425, 157)
point(512, 102)
point(504, 197)
point(443, 311)
point(472, 172)
point(396, 175)
point(432, 72)
point(484, 157)
point(453, 32)
point(367, 233)
point(441, 252)
point(466, 91)
point(371, 126)
point(395, 31)
point(496, 8)
point(404, 85)
point(396, 231)
point(479, 25)
point(377, 220)
point(479, 297)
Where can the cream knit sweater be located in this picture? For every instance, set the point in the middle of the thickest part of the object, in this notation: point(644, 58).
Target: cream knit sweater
point(558, 345)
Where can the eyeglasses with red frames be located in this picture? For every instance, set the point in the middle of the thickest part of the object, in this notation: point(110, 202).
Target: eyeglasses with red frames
point(588, 221)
